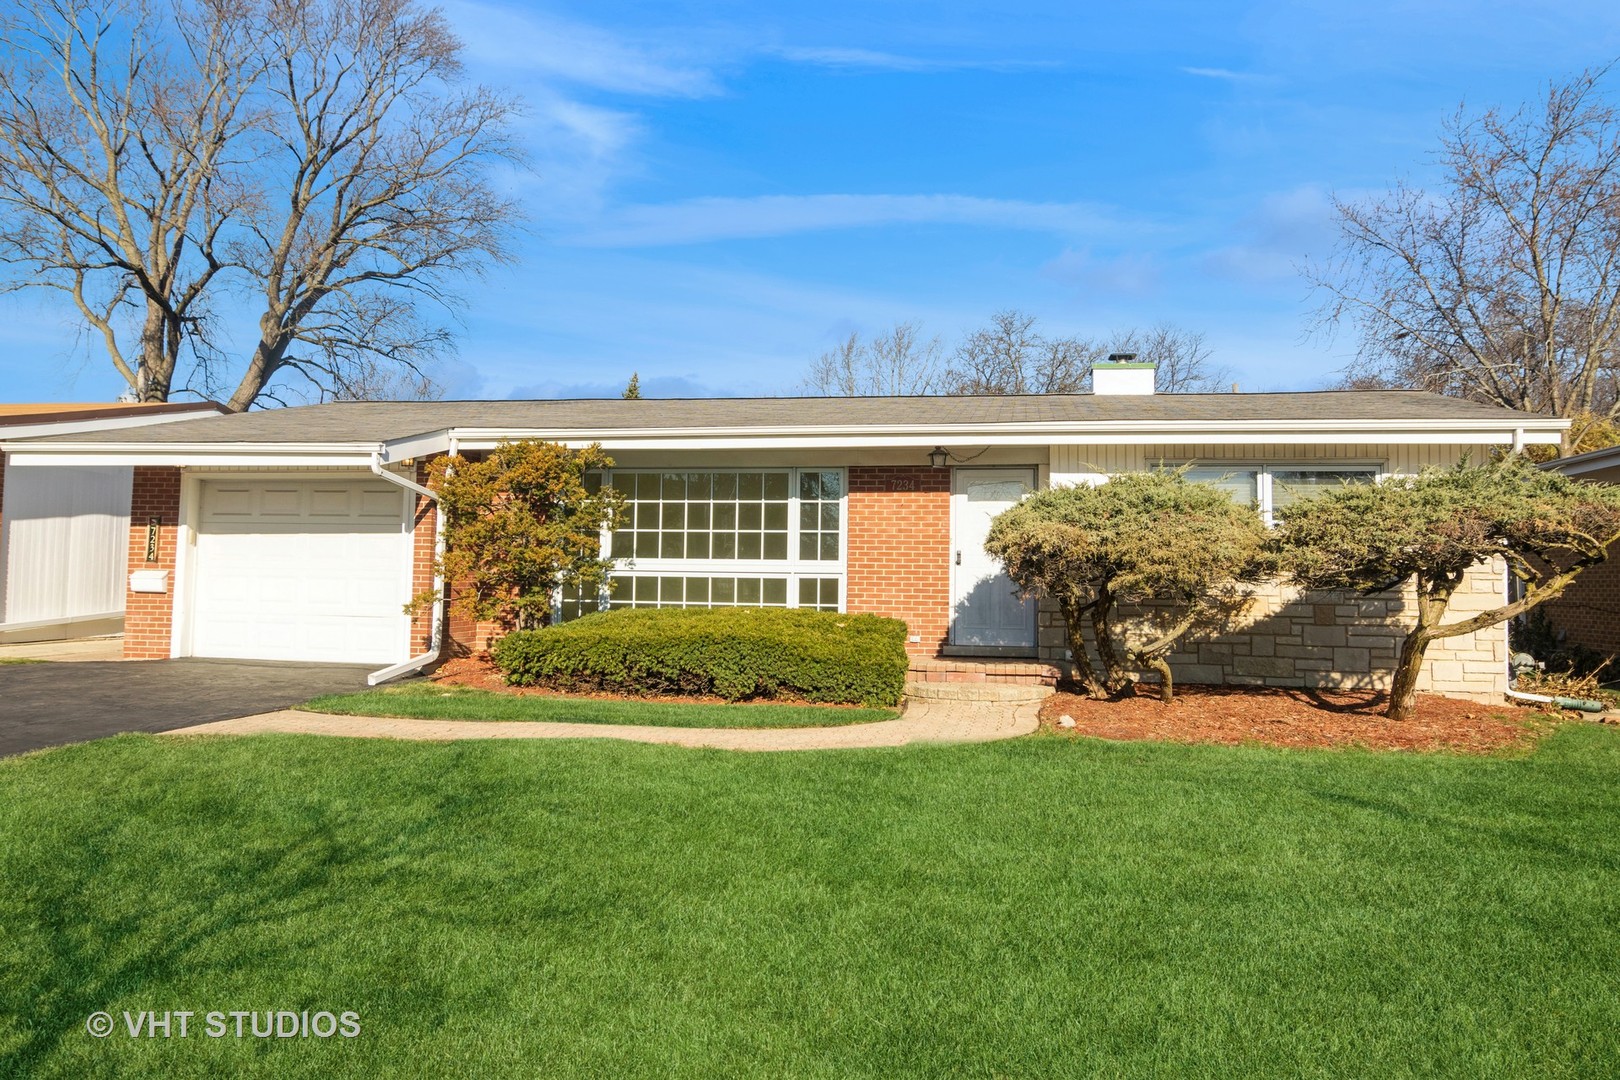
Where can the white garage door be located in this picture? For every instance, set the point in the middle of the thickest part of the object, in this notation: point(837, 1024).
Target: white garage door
point(301, 570)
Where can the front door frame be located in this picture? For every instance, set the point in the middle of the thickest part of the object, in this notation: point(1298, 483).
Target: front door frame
point(952, 648)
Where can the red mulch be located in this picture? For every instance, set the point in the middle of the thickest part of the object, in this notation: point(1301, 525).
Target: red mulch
point(1231, 715)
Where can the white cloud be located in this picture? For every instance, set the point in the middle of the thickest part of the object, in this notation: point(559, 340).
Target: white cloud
point(873, 60)
point(1133, 273)
point(699, 221)
point(1224, 74)
point(1286, 230)
point(556, 49)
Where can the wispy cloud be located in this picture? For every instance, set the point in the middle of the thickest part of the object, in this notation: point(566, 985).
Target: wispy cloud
point(699, 221)
point(873, 60)
point(564, 51)
point(1225, 74)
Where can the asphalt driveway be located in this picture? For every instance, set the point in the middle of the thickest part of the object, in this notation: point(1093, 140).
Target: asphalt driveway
point(52, 704)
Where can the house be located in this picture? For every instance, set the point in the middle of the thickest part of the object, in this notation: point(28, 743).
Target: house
point(1588, 613)
point(64, 534)
point(298, 534)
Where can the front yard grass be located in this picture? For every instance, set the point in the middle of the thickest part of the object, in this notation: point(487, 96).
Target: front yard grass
point(1036, 908)
point(430, 701)
point(20, 660)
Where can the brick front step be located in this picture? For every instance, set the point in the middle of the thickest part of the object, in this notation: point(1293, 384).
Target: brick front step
point(990, 669)
point(1010, 693)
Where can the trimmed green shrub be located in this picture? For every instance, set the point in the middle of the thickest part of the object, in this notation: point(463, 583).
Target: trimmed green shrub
point(733, 653)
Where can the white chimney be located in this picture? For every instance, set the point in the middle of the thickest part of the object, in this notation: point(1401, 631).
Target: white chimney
point(1121, 374)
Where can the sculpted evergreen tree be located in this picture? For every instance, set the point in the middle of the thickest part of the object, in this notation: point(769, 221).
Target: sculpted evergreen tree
point(1431, 529)
point(1177, 554)
point(519, 525)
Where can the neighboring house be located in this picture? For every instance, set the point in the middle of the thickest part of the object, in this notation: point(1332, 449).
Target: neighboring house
point(1588, 614)
point(64, 532)
point(298, 534)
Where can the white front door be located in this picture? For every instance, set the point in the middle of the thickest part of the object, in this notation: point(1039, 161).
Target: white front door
point(302, 569)
point(985, 607)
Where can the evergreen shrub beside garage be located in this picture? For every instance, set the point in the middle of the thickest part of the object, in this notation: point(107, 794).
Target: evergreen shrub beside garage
point(733, 653)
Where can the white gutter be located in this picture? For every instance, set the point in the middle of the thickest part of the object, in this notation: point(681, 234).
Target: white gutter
point(436, 642)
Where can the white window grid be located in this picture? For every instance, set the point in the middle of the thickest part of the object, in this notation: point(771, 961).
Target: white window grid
point(793, 569)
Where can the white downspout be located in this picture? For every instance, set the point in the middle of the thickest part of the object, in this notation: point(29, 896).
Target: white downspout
point(436, 642)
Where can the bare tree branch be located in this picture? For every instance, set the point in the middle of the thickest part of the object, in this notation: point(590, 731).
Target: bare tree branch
point(319, 155)
point(1503, 284)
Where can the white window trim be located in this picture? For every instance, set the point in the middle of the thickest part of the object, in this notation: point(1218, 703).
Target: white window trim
point(792, 569)
point(1264, 469)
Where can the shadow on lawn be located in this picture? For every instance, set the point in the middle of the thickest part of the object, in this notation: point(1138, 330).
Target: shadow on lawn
point(89, 962)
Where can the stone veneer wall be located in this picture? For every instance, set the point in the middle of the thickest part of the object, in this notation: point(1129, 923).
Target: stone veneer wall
point(1336, 641)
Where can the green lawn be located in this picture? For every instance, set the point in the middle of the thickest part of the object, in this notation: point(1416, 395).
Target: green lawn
point(427, 701)
point(19, 660)
point(1043, 908)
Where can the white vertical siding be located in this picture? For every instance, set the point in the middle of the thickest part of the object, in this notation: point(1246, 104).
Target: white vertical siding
point(1075, 464)
point(64, 542)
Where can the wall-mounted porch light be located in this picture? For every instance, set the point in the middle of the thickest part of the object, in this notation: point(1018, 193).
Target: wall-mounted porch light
point(938, 456)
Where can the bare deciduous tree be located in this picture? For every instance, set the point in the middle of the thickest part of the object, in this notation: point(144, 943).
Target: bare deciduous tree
point(170, 164)
point(1010, 357)
point(1182, 359)
point(894, 363)
point(1503, 283)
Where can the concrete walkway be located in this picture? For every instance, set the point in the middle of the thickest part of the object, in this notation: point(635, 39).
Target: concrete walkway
point(924, 721)
point(73, 650)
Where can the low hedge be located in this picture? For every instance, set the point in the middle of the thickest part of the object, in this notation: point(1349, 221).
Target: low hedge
point(733, 653)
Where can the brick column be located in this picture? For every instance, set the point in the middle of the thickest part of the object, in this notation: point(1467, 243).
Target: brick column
point(899, 559)
point(149, 617)
point(424, 526)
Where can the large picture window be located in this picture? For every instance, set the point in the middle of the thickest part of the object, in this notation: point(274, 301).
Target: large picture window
point(731, 537)
point(1272, 488)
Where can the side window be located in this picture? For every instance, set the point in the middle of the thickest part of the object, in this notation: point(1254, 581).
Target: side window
point(1243, 484)
point(1290, 485)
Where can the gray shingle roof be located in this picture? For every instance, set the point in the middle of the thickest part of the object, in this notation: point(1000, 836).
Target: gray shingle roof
point(379, 421)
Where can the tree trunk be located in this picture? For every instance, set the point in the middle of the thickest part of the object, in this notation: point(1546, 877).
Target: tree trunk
point(1431, 604)
point(1166, 684)
point(1403, 691)
point(1114, 679)
point(1084, 673)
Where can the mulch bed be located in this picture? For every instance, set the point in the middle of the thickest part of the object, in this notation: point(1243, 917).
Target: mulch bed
point(1232, 715)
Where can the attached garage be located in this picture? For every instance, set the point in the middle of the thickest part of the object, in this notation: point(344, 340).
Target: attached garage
point(301, 569)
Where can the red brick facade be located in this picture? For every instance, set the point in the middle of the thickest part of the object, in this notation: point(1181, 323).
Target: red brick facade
point(900, 549)
point(424, 526)
point(149, 617)
point(1588, 614)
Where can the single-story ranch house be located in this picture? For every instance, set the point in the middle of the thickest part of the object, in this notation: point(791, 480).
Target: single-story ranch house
point(300, 533)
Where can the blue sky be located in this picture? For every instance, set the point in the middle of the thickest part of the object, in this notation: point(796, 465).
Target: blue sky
point(721, 190)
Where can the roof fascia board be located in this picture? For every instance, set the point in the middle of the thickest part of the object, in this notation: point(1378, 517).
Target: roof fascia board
point(25, 430)
point(415, 446)
point(260, 456)
point(980, 438)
